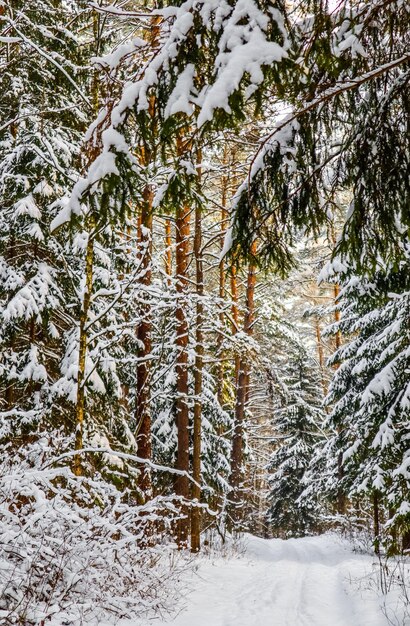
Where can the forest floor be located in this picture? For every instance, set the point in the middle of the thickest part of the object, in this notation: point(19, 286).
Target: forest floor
point(314, 581)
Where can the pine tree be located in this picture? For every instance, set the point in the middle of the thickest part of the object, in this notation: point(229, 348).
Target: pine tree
point(346, 92)
point(45, 112)
point(369, 392)
point(61, 287)
point(297, 422)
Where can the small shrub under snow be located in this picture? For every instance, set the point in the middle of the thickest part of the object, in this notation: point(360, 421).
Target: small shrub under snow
point(72, 552)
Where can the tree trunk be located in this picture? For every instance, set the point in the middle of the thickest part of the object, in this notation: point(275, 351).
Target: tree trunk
point(393, 543)
point(182, 413)
point(376, 523)
point(222, 277)
point(10, 388)
point(242, 392)
point(168, 250)
point(338, 338)
point(341, 496)
point(143, 392)
point(143, 396)
point(321, 355)
point(82, 352)
point(235, 316)
point(199, 358)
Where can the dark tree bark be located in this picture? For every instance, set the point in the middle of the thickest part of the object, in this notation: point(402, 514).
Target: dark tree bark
point(199, 359)
point(142, 391)
point(242, 392)
point(182, 412)
point(376, 523)
point(222, 273)
point(168, 250)
point(321, 355)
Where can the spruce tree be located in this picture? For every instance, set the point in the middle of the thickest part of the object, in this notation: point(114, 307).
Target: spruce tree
point(345, 90)
point(369, 392)
point(297, 422)
point(44, 116)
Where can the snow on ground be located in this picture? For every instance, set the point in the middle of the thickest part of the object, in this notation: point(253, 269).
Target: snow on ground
point(314, 581)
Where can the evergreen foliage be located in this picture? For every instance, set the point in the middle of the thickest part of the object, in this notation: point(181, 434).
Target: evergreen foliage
point(43, 123)
point(345, 130)
point(149, 372)
point(369, 392)
point(297, 423)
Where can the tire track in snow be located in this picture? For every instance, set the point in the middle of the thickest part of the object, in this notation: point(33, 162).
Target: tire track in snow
point(299, 582)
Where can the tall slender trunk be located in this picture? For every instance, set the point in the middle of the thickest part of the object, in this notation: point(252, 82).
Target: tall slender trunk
point(222, 275)
point(10, 388)
point(235, 316)
point(143, 396)
point(219, 350)
point(376, 523)
point(393, 547)
point(168, 250)
point(199, 359)
point(82, 352)
point(321, 355)
point(182, 225)
point(338, 338)
point(143, 392)
point(242, 393)
point(336, 291)
point(341, 496)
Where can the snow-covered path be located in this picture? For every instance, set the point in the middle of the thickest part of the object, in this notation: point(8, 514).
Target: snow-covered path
point(315, 581)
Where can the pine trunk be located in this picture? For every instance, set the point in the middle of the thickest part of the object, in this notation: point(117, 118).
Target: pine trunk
point(199, 358)
point(393, 542)
point(143, 396)
point(143, 391)
point(182, 412)
point(168, 250)
point(222, 278)
point(376, 523)
point(82, 353)
point(242, 394)
point(321, 355)
point(10, 388)
point(341, 497)
point(235, 315)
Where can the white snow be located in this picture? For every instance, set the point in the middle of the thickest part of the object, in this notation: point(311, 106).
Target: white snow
point(243, 49)
point(113, 59)
point(314, 581)
point(228, 240)
point(27, 206)
point(179, 100)
point(4, 39)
